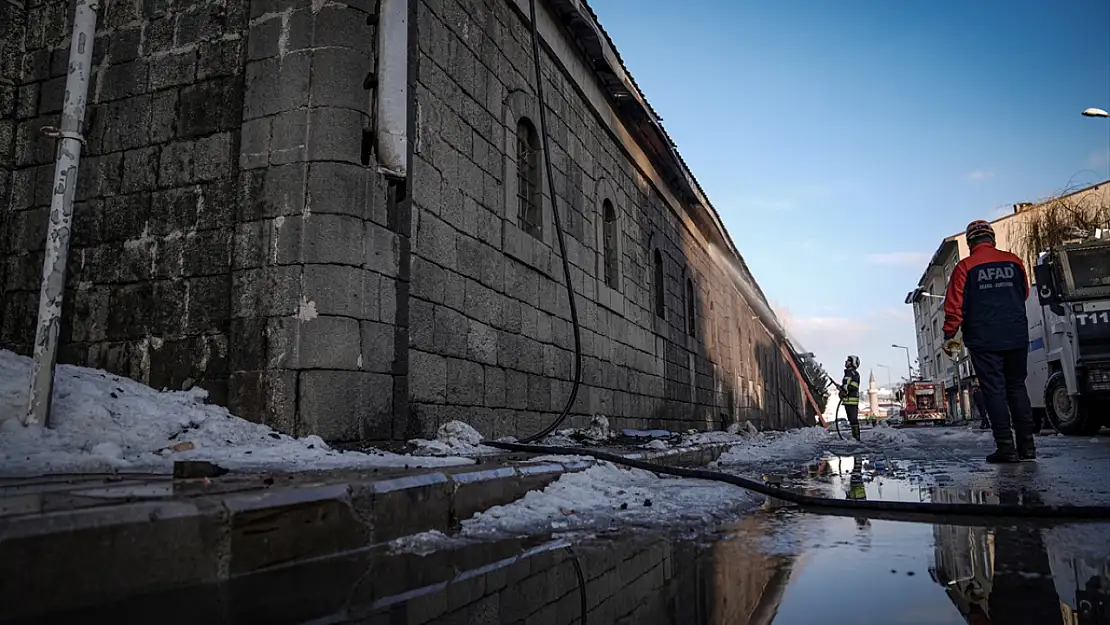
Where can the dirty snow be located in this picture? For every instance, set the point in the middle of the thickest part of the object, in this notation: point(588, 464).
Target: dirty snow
point(792, 444)
point(105, 423)
point(454, 438)
point(421, 544)
point(607, 494)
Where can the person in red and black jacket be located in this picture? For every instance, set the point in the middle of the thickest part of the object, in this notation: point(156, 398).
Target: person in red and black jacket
point(986, 298)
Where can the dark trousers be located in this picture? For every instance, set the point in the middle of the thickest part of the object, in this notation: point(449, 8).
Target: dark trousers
point(1002, 383)
point(852, 412)
point(980, 408)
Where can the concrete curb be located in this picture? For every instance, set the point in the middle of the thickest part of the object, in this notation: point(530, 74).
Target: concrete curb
point(146, 545)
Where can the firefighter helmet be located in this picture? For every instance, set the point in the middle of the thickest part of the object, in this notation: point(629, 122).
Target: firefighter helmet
point(978, 230)
point(852, 362)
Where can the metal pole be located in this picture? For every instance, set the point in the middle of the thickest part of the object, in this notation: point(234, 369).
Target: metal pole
point(67, 158)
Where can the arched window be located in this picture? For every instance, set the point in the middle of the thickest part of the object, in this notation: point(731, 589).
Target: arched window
point(610, 233)
point(528, 190)
point(690, 309)
point(660, 302)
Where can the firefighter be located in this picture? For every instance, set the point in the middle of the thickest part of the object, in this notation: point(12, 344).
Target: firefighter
point(849, 393)
point(986, 299)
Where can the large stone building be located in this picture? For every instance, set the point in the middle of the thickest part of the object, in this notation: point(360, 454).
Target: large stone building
point(334, 217)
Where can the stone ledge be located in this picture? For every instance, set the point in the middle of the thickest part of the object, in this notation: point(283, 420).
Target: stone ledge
point(193, 532)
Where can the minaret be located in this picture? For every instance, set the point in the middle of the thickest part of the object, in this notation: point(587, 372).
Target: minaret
point(873, 395)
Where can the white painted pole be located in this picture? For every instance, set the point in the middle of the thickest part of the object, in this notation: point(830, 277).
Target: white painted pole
point(67, 158)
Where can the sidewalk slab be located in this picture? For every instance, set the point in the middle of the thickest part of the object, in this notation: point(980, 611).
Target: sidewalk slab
point(78, 540)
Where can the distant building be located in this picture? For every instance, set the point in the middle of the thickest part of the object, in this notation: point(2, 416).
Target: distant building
point(928, 298)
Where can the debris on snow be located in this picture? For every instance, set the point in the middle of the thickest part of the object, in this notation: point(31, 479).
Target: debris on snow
point(106, 423)
point(656, 444)
point(453, 438)
point(598, 431)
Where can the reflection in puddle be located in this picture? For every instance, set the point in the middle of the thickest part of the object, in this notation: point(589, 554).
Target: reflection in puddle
point(775, 567)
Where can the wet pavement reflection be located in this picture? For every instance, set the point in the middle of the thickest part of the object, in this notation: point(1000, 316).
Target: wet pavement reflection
point(777, 566)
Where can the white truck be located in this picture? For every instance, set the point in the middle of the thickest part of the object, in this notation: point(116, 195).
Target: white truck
point(1069, 335)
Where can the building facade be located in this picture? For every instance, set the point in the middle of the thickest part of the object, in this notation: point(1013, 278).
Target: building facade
point(335, 218)
point(928, 298)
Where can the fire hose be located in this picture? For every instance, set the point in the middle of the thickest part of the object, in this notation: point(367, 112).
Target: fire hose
point(913, 511)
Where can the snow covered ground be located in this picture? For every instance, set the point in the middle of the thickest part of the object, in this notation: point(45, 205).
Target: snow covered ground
point(106, 423)
point(606, 496)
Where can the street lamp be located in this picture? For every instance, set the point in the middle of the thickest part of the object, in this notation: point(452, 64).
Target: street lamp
point(1093, 112)
point(909, 367)
point(889, 384)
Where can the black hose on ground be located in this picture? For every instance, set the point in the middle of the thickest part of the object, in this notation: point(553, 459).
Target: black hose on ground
point(890, 510)
point(584, 605)
point(559, 234)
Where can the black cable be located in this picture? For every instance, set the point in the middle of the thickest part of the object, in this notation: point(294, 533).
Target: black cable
point(581, 583)
point(836, 418)
point(559, 233)
point(890, 510)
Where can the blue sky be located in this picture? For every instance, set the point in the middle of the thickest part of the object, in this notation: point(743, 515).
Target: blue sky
point(847, 138)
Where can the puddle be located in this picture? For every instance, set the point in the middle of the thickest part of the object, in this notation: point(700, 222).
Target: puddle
point(777, 566)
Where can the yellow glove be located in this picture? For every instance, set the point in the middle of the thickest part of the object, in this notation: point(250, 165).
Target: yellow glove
point(951, 346)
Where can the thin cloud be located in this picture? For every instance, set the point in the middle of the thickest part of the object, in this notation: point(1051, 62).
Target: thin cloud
point(980, 175)
point(900, 259)
point(868, 336)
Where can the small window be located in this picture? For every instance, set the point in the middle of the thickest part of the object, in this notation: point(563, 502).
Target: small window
point(660, 302)
point(690, 307)
point(609, 232)
point(529, 194)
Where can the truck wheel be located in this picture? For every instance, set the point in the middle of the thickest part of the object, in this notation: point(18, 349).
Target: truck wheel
point(1066, 412)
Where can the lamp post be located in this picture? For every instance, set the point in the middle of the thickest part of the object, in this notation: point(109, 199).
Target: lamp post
point(909, 367)
point(889, 384)
point(1093, 112)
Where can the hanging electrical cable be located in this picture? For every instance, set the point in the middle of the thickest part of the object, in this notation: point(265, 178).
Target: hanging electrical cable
point(559, 235)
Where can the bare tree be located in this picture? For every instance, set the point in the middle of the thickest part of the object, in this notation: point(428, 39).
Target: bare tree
point(1061, 217)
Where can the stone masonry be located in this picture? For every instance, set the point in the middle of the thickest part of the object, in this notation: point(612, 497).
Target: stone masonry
point(233, 230)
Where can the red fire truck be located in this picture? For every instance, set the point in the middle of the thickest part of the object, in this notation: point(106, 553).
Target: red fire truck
point(924, 404)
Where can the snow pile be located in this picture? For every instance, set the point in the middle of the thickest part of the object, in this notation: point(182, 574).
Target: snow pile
point(453, 438)
point(605, 495)
point(105, 423)
point(421, 544)
point(598, 431)
point(790, 445)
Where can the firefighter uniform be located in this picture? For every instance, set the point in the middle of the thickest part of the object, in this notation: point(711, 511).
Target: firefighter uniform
point(849, 394)
point(986, 299)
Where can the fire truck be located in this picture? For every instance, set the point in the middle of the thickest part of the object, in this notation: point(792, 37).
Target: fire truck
point(924, 404)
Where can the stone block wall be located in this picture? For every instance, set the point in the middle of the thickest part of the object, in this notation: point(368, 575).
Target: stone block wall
point(232, 230)
point(491, 338)
point(148, 287)
point(229, 232)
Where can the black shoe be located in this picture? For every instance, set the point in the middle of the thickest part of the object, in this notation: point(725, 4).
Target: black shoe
point(1026, 448)
point(1004, 452)
point(1003, 456)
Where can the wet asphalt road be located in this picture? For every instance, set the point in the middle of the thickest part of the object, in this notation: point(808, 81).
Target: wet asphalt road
point(770, 566)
